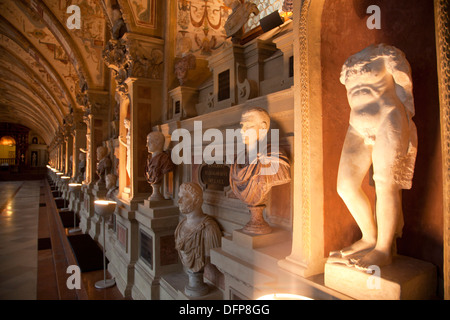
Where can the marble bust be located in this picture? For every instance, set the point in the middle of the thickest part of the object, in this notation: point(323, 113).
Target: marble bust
point(381, 133)
point(252, 180)
point(158, 163)
point(111, 186)
point(103, 164)
point(195, 235)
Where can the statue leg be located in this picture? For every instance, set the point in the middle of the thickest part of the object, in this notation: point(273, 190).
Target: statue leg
point(355, 162)
point(389, 146)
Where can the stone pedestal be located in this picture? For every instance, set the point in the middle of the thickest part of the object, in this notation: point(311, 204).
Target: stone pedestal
point(405, 279)
point(172, 287)
point(250, 262)
point(156, 223)
point(183, 100)
point(195, 287)
point(123, 254)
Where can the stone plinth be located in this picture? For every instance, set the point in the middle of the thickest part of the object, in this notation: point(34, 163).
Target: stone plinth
point(250, 262)
point(157, 221)
point(405, 279)
point(123, 254)
point(173, 288)
point(253, 241)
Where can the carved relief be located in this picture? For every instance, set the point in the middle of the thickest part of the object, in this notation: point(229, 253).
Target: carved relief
point(143, 61)
point(129, 58)
point(182, 67)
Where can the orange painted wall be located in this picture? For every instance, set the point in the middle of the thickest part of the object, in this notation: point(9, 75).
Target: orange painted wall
point(409, 26)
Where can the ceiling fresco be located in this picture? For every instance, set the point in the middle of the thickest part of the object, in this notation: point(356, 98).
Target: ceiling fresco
point(44, 64)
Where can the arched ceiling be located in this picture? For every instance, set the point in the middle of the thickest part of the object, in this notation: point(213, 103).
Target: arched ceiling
point(44, 64)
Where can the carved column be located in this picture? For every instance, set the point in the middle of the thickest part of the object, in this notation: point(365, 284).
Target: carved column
point(137, 66)
point(79, 142)
point(95, 118)
point(68, 141)
point(307, 253)
point(442, 20)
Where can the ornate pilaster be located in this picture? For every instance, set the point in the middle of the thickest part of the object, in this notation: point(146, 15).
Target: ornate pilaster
point(442, 21)
point(307, 254)
point(136, 63)
point(95, 105)
point(78, 133)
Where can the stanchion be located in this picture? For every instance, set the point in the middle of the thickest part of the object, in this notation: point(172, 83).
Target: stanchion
point(104, 208)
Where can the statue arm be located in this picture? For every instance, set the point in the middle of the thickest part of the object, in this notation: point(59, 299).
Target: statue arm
point(122, 142)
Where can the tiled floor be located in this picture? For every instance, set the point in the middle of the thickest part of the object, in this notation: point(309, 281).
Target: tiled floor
point(28, 270)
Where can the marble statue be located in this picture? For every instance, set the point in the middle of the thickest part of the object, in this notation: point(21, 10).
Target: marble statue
point(81, 166)
point(381, 133)
point(127, 144)
point(103, 165)
point(195, 235)
point(119, 27)
point(158, 163)
point(247, 179)
point(69, 171)
point(111, 186)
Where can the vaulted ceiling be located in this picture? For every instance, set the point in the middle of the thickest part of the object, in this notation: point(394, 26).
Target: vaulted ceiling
point(44, 64)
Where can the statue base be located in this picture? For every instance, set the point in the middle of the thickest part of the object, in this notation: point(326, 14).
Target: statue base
point(196, 287)
point(173, 286)
point(405, 279)
point(257, 224)
point(253, 241)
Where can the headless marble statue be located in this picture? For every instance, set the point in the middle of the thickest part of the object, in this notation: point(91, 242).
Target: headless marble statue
point(381, 133)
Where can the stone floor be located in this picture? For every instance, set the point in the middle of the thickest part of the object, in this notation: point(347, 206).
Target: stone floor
point(19, 204)
point(29, 269)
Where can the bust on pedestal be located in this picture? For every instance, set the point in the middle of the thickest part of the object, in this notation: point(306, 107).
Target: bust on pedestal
point(258, 169)
point(103, 165)
point(195, 235)
point(81, 166)
point(158, 164)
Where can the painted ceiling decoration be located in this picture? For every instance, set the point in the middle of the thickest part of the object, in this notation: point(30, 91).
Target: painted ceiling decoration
point(44, 65)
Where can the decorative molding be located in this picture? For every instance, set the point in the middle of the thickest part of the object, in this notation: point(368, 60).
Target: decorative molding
point(306, 129)
point(134, 56)
point(442, 20)
point(144, 60)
